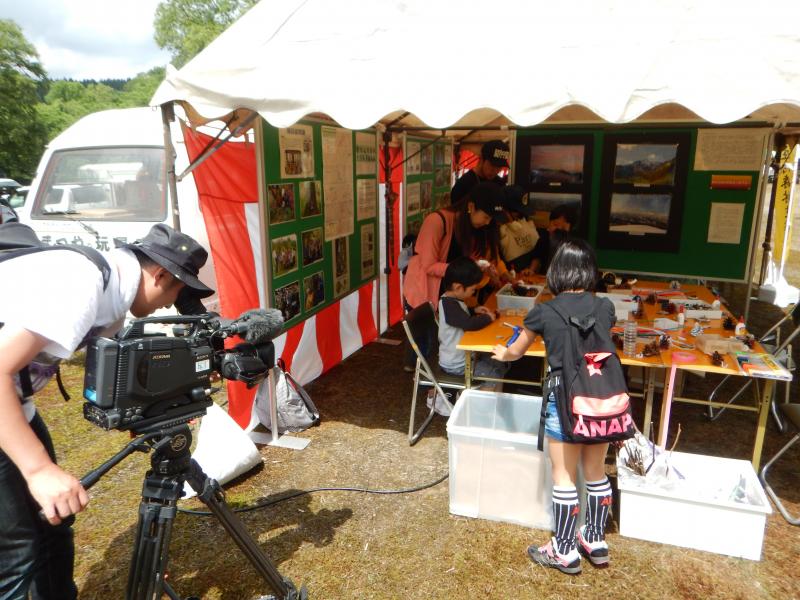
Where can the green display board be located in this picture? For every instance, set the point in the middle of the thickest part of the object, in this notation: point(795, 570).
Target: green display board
point(319, 249)
point(609, 174)
point(428, 175)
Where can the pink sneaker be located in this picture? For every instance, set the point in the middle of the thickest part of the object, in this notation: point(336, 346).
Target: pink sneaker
point(548, 556)
point(596, 552)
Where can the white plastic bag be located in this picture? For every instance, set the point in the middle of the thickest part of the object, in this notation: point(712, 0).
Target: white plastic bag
point(296, 410)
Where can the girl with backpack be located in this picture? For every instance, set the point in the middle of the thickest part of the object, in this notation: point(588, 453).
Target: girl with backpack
point(571, 278)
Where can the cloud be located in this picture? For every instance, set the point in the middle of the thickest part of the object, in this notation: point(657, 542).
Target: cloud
point(90, 39)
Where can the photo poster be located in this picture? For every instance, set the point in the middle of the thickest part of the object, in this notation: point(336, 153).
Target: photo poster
point(309, 269)
point(367, 250)
point(296, 148)
point(428, 178)
point(337, 181)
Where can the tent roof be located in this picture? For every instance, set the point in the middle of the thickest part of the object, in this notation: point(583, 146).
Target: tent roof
point(506, 62)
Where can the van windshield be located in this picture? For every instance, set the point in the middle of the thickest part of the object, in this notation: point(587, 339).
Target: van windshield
point(104, 184)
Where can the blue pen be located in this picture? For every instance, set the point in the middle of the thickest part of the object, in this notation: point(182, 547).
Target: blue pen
point(517, 329)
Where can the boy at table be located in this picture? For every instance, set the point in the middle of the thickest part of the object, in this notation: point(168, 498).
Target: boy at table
point(460, 281)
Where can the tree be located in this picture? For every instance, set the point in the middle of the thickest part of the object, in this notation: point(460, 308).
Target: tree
point(185, 27)
point(22, 134)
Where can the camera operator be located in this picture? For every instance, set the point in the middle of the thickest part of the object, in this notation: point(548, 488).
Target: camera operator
point(52, 303)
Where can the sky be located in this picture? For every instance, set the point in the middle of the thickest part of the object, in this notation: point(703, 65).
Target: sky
point(89, 39)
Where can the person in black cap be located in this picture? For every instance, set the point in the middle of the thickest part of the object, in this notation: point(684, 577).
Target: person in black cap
point(518, 235)
point(64, 300)
point(562, 220)
point(494, 158)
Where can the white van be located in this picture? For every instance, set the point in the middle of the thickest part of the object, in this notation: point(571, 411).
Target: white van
point(104, 178)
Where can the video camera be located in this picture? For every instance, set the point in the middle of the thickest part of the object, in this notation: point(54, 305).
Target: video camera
point(145, 381)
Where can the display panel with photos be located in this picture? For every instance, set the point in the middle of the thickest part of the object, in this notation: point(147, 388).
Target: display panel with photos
point(556, 171)
point(642, 191)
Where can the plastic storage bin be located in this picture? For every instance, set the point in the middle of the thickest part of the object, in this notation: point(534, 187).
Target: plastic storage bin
point(699, 511)
point(496, 472)
point(508, 301)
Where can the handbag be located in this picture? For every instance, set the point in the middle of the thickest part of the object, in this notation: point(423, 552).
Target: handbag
point(296, 411)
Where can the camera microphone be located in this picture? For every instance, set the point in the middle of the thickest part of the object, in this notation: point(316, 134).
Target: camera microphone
point(259, 325)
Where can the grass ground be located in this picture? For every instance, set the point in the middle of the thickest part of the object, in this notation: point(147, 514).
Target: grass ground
point(346, 545)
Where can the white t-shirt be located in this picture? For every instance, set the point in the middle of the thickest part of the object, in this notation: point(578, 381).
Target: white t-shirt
point(59, 295)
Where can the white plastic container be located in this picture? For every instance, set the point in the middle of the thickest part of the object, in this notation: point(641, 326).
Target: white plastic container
point(507, 300)
point(698, 512)
point(496, 472)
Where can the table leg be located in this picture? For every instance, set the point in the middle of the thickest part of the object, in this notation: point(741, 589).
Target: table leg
point(764, 401)
point(649, 393)
point(468, 369)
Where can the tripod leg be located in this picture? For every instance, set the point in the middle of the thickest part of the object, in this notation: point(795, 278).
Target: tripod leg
point(210, 493)
point(151, 551)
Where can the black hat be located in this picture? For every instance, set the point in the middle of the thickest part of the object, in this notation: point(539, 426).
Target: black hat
point(177, 253)
point(488, 197)
point(496, 152)
point(516, 200)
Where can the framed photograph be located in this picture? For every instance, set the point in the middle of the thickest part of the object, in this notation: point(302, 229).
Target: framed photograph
point(639, 214)
point(310, 199)
point(281, 203)
point(556, 170)
point(367, 250)
point(412, 198)
point(313, 291)
point(341, 266)
point(642, 191)
point(557, 164)
point(441, 177)
point(425, 195)
point(426, 158)
point(444, 200)
point(645, 165)
point(313, 245)
point(412, 158)
point(284, 255)
point(544, 202)
point(296, 151)
point(287, 300)
point(438, 154)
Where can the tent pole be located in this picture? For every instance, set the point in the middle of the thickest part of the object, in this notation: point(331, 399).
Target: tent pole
point(167, 116)
point(389, 208)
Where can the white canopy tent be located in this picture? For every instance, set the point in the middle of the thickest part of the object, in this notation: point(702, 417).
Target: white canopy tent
point(471, 68)
point(517, 62)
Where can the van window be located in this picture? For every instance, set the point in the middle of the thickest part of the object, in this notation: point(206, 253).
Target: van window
point(103, 184)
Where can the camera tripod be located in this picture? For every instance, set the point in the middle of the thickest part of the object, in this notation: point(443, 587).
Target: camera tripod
point(172, 465)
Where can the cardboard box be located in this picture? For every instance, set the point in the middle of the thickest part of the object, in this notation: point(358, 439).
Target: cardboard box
point(699, 511)
point(496, 471)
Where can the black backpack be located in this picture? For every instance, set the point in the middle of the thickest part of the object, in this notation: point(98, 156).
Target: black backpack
point(17, 239)
point(590, 389)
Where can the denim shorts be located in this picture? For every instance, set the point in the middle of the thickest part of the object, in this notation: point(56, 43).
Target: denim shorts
point(552, 424)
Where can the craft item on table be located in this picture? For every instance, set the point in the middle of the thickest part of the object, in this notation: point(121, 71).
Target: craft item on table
point(761, 364)
point(729, 324)
point(713, 342)
point(639, 312)
point(522, 289)
point(681, 315)
point(665, 324)
point(740, 329)
point(651, 298)
point(610, 279)
point(516, 331)
point(717, 359)
point(664, 342)
point(696, 330)
point(652, 349)
point(748, 340)
point(716, 304)
point(674, 284)
point(683, 357)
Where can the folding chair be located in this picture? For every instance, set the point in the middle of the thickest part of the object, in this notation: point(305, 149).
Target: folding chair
point(792, 414)
point(417, 324)
point(781, 350)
